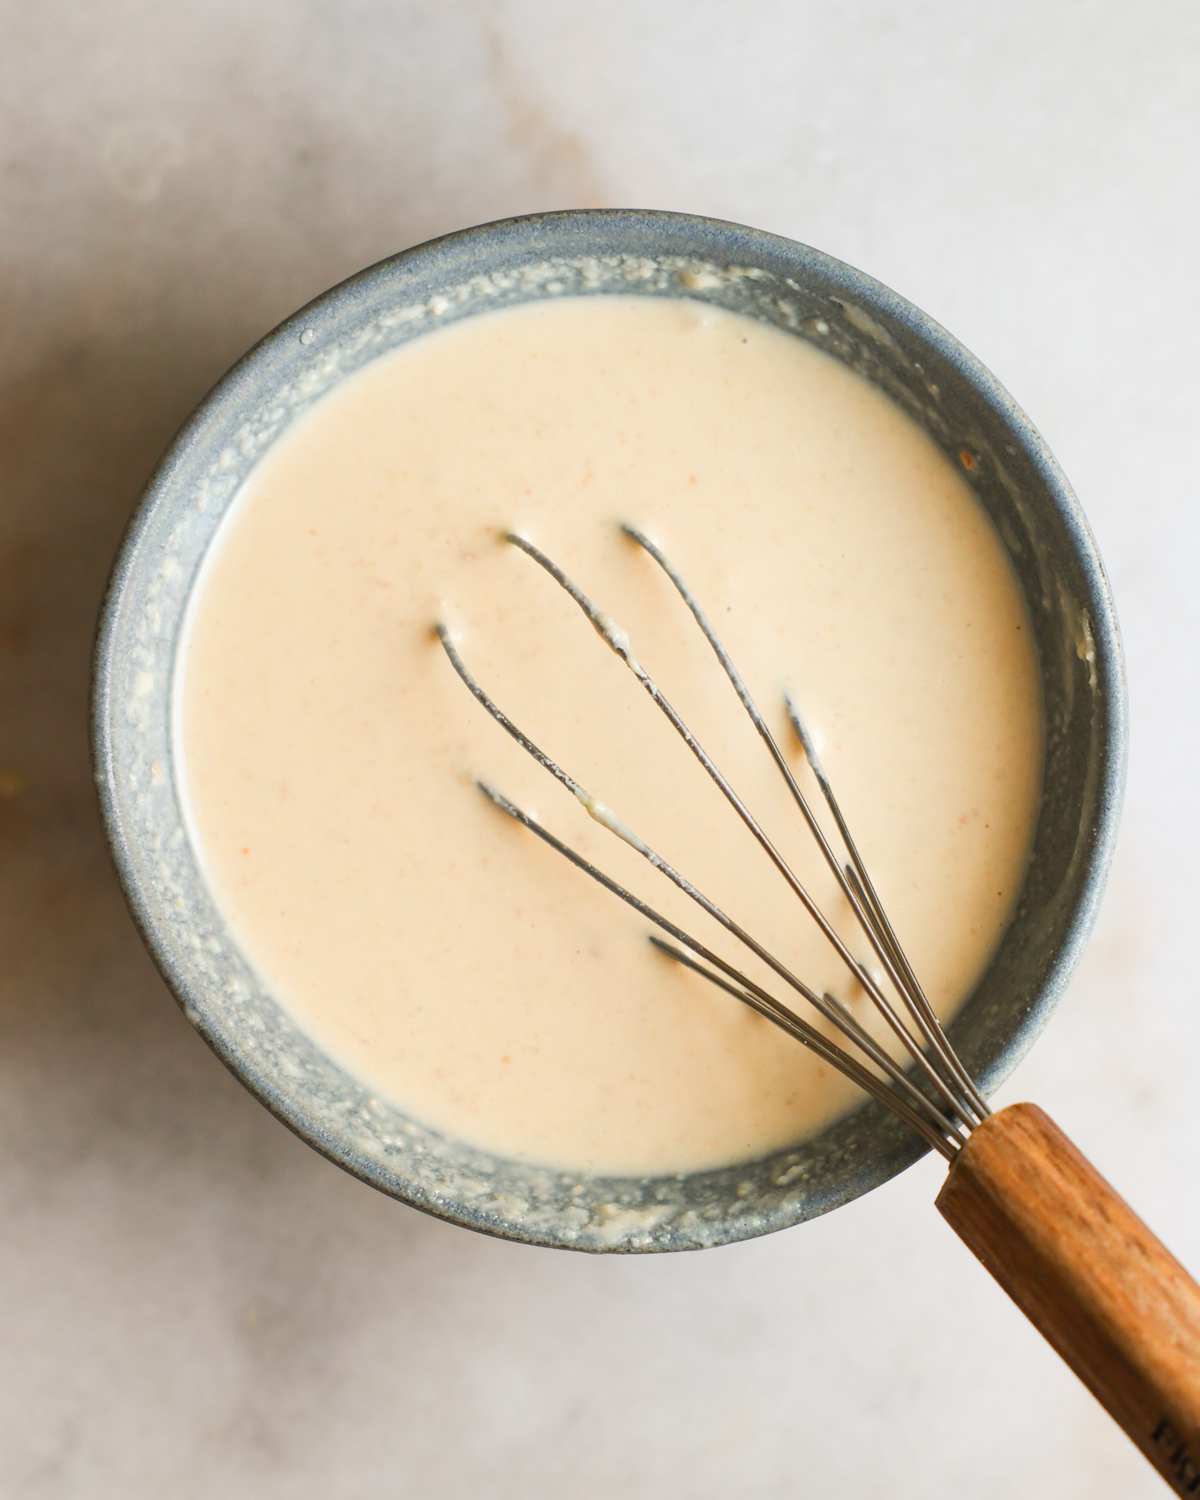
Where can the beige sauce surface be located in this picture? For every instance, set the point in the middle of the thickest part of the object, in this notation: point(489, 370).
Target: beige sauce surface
point(441, 952)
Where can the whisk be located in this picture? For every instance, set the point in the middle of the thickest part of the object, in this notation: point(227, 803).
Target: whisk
point(1121, 1311)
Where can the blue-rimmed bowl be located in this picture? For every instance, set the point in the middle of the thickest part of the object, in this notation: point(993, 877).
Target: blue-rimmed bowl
point(595, 254)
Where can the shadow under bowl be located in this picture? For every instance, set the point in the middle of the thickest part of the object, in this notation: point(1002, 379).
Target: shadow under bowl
point(856, 320)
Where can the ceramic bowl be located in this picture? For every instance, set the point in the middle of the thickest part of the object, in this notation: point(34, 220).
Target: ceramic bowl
point(595, 254)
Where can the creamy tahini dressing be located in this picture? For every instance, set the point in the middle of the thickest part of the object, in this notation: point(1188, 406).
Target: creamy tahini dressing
point(440, 951)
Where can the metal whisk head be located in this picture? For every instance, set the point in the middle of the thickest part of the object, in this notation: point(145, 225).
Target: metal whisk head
point(934, 1094)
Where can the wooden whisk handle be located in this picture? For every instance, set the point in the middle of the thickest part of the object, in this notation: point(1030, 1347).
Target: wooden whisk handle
point(1089, 1275)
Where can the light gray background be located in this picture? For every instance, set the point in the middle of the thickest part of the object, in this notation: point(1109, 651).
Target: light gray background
point(194, 1303)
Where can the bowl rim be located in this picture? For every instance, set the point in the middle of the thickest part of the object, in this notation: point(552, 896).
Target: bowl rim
point(542, 236)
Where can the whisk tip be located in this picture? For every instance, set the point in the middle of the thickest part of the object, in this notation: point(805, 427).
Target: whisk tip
point(803, 733)
point(526, 816)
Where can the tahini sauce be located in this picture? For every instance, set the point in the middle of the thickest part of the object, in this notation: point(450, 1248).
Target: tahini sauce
point(442, 953)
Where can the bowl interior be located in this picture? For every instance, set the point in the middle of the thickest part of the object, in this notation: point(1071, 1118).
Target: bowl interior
point(815, 298)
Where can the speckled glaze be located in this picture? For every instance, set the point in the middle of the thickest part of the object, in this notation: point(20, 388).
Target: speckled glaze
point(858, 321)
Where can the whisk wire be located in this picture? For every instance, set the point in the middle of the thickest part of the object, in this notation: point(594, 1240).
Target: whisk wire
point(924, 1015)
point(944, 1120)
point(860, 894)
point(846, 1023)
point(948, 1146)
point(618, 641)
point(936, 1129)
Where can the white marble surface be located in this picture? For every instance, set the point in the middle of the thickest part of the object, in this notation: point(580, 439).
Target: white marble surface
point(195, 1304)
